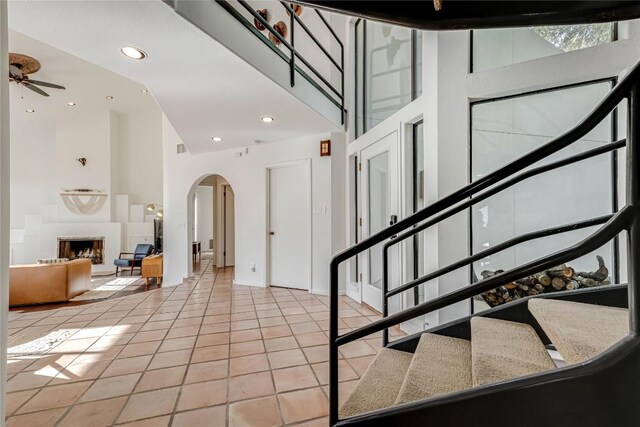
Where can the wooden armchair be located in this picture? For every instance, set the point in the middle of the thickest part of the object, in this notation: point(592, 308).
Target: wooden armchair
point(133, 260)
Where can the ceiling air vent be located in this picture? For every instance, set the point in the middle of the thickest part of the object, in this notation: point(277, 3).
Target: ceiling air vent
point(181, 148)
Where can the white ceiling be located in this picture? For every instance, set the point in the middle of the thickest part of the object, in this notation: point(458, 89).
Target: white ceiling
point(86, 84)
point(204, 89)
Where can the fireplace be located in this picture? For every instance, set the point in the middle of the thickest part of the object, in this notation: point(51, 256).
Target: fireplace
point(82, 248)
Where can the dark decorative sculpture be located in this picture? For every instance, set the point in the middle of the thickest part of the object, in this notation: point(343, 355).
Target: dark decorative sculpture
point(267, 17)
point(297, 8)
point(281, 28)
point(82, 160)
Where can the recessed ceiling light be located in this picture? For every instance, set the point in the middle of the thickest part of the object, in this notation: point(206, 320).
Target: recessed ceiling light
point(30, 111)
point(71, 104)
point(109, 98)
point(144, 90)
point(133, 52)
point(266, 119)
point(217, 139)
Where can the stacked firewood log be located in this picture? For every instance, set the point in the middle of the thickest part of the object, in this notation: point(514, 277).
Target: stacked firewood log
point(560, 278)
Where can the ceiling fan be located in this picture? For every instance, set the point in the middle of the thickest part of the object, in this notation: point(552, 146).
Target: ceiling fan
point(20, 66)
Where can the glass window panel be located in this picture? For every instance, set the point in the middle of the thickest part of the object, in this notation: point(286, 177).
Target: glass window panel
point(417, 60)
point(418, 203)
point(506, 129)
point(360, 77)
point(378, 211)
point(499, 47)
point(387, 71)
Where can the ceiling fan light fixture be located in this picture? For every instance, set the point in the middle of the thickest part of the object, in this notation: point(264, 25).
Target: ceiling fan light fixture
point(266, 119)
point(133, 53)
point(30, 110)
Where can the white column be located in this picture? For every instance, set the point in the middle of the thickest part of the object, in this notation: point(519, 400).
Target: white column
point(4, 207)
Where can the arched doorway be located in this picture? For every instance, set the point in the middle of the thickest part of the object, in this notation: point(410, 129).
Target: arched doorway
point(212, 221)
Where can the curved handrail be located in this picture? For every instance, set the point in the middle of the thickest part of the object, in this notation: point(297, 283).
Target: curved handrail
point(619, 222)
point(492, 191)
point(499, 248)
point(617, 94)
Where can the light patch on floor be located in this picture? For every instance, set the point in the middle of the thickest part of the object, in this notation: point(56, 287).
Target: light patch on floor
point(204, 353)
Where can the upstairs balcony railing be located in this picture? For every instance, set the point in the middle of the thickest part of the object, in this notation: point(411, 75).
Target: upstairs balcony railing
point(313, 60)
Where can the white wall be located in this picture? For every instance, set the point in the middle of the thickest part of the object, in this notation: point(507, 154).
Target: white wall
point(140, 156)
point(124, 156)
point(89, 136)
point(247, 176)
point(204, 215)
point(32, 151)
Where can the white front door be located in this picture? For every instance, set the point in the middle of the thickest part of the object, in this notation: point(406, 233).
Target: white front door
point(289, 226)
point(379, 205)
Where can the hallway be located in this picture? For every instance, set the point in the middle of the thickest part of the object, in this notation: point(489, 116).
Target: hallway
point(203, 353)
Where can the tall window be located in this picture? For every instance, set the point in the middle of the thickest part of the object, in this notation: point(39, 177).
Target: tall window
point(388, 71)
point(418, 203)
point(505, 129)
point(499, 47)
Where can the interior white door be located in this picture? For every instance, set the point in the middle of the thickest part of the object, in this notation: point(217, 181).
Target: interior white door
point(289, 231)
point(380, 202)
point(229, 227)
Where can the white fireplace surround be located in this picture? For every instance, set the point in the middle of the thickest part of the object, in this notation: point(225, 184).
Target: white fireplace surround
point(110, 231)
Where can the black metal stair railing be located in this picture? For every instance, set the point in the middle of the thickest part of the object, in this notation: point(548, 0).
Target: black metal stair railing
point(316, 78)
point(626, 219)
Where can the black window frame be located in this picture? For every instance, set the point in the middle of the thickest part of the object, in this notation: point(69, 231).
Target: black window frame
point(615, 242)
point(360, 119)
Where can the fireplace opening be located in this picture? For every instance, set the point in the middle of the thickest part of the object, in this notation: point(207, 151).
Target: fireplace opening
point(82, 248)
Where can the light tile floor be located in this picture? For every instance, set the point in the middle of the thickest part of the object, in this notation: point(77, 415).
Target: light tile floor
point(204, 353)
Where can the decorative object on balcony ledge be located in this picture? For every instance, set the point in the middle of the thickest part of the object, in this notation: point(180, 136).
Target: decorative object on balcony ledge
point(297, 8)
point(83, 201)
point(281, 28)
point(560, 278)
point(267, 17)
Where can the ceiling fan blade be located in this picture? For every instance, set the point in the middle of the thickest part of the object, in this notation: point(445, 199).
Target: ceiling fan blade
point(45, 84)
point(34, 88)
point(15, 71)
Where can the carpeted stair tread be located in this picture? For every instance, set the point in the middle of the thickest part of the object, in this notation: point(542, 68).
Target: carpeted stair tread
point(378, 388)
point(580, 331)
point(440, 365)
point(502, 350)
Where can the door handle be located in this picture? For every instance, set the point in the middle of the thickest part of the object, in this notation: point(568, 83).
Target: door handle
point(271, 233)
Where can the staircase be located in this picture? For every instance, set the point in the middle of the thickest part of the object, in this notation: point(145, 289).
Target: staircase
point(495, 368)
point(499, 350)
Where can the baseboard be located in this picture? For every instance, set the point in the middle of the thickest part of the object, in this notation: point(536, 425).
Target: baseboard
point(325, 293)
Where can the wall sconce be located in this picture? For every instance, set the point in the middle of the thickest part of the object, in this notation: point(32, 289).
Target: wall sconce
point(154, 207)
point(82, 160)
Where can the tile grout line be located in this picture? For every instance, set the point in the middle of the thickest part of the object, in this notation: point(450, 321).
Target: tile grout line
point(193, 349)
point(145, 370)
point(53, 378)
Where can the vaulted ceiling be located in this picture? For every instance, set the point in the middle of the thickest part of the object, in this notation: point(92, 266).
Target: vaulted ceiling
point(204, 89)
